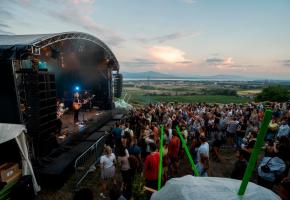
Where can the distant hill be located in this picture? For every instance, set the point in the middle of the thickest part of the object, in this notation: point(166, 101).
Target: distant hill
point(152, 74)
point(228, 77)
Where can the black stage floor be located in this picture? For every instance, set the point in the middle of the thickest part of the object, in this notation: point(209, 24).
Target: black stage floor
point(73, 141)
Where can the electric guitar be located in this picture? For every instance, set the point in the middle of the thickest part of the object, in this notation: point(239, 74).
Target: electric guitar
point(85, 101)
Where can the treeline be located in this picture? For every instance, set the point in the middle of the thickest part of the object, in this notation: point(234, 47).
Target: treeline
point(219, 91)
point(171, 94)
point(275, 93)
point(147, 87)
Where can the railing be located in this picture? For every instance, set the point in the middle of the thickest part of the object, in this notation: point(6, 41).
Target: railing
point(88, 159)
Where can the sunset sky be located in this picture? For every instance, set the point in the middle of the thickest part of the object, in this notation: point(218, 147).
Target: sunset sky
point(183, 37)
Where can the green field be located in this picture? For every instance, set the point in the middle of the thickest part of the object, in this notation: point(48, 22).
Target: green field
point(138, 96)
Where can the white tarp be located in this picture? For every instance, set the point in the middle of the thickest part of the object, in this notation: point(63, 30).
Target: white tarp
point(122, 104)
point(16, 131)
point(210, 188)
point(10, 131)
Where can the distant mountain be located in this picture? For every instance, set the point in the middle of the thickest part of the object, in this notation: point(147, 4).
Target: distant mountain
point(221, 76)
point(148, 74)
point(156, 75)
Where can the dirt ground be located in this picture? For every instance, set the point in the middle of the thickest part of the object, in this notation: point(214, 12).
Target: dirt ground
point(217, 169)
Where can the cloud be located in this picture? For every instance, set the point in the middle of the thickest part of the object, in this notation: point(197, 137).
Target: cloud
point(5, 32)
point(80, 16)
point(228, 61)
point(4, 29)
point(4, 26)
point(189, 1)
point(228, 64)
point(82, 1)
point(140, 62)
point(75, 12)
point(214, 60)
point(167, 37)
point(184, 62)
point(285, 62)
point(167, 54)
point(224, 63)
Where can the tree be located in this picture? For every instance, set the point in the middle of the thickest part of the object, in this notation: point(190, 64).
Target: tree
point(274, 93)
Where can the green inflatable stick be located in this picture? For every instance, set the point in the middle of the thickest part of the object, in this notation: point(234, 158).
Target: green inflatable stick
point(187, 152)
point(255, 153)
point(160, 158)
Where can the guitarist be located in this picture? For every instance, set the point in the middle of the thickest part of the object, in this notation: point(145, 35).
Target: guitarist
point(76, 107)
point(86, 98)
point(59, 113)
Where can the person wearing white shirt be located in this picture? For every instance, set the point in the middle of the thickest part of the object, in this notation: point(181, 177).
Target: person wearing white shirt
point(284, 129)
point(203, 149)
point(107, 162)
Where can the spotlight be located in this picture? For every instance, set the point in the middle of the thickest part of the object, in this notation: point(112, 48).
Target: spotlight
point(42, 64)
point(77, 88)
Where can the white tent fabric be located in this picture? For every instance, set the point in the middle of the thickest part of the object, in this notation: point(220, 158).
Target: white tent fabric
point(122, 104)
point(10, 131)
point(210, 188)
point(16, 131)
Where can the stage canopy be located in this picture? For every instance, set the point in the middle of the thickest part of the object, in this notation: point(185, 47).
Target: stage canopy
point(16, 46)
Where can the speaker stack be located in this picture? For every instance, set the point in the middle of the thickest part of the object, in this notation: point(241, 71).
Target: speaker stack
point(118, 85)
point(39, 89)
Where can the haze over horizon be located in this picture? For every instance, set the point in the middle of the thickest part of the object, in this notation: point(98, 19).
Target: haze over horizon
point(181, 37)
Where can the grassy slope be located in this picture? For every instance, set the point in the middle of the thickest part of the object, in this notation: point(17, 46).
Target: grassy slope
point(139, 97)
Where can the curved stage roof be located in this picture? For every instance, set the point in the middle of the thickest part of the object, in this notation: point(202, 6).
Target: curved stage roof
point(44, 40)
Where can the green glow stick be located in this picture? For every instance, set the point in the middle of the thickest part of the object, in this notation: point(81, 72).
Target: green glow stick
point(187, 152)
point(160, 158)
point(255, 153)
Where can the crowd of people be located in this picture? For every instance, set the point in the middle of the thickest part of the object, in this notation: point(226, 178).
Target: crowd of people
point(134, 143)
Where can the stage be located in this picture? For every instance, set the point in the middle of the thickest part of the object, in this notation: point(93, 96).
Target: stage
point(70, 129)
point(73, 141)
point(40, 72)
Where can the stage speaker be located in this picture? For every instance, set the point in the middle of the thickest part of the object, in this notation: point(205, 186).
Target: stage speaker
point(55, 53)
point(118, 85)
point(23, 189)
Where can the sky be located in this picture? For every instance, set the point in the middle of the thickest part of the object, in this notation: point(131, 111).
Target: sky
point(182, 37)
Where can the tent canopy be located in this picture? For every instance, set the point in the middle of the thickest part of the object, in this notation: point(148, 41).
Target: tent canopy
point(10, 131)
point(210, 188)
point(16, 131)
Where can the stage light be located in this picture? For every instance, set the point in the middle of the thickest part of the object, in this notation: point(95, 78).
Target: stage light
point(77, 88)
point(41, 65)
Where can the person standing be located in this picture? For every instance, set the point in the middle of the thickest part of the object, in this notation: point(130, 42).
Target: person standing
point(173, 151)
point(76, 107)
point(87, 101)
point(123, 160)
point(203, 149)
point(151, 167)
point(117, 135)
point(107, 162)
point(240, 165)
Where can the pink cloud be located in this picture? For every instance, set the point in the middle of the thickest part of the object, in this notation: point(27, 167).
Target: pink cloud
point(82, 1)
point(228, 61)
point(167, 54)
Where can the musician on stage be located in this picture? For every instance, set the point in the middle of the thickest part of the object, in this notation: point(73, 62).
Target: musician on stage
point(76, 107)
point(87, 101)
point(59, 113)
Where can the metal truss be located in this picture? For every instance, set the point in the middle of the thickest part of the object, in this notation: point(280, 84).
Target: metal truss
point(50, 39)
